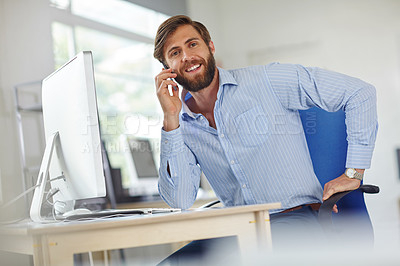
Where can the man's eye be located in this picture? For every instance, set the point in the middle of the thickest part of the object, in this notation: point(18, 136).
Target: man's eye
point(193, 44)
point(175, 53)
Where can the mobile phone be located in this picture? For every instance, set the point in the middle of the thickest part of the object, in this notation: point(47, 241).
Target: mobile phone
point(166, 67)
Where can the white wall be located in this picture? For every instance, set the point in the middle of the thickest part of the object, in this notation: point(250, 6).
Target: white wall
point(356, 37)
point(170, 7)
point(26, 55)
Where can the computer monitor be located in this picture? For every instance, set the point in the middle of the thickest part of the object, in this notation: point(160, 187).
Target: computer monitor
point(141, 166)
point(72, 161)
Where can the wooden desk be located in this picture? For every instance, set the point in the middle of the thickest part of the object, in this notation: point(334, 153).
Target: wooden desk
point(55, 244)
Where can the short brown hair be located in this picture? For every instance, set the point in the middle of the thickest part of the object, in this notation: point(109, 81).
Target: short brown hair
point(169, 26)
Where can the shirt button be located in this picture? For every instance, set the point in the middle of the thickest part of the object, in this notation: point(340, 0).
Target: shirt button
point(232, 162)
point(166, 141)
point(222, 135)
point(244, 186)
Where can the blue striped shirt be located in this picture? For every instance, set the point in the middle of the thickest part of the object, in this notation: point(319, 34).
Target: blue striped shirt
point(258, 153)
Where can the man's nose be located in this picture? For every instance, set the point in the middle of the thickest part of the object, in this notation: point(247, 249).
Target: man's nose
point(186, 55)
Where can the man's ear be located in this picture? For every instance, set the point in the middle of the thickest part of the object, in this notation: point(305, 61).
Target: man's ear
point(212, 47)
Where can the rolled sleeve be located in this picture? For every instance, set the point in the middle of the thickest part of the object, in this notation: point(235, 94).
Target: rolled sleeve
point(179, 174)
point(359, 156)
point(171, 142)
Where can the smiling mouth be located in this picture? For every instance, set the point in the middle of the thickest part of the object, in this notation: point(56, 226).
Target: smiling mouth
point(193, 68)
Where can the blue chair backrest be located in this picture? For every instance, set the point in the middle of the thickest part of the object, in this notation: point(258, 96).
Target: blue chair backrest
point(326, 139)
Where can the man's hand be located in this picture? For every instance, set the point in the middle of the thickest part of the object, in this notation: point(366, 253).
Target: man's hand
point(340, 184)
point(170, 104)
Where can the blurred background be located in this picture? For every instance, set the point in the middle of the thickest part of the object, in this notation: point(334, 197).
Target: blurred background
point(360, 38)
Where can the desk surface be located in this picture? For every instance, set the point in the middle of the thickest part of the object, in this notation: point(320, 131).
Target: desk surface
point(31, 228)
point(56, 243)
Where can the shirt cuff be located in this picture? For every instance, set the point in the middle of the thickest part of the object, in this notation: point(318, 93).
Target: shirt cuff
point(359, 156)
point(171, 142)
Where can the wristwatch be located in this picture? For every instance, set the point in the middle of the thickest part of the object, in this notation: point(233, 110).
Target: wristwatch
point(352, 173)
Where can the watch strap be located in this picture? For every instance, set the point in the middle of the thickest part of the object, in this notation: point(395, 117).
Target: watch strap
point(356, 174)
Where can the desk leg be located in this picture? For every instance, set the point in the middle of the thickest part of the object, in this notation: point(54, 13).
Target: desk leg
point(37, 252)
point(268, 230)
point(257, 238)
point(263, 226)
point(52, 254)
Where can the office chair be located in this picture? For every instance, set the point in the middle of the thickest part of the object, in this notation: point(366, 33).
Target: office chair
point(326, 139)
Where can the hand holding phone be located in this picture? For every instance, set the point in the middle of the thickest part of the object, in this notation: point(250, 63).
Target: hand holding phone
point(166, 67)
point(170, 102)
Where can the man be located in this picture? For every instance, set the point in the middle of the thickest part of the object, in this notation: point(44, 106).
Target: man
point(242, 128)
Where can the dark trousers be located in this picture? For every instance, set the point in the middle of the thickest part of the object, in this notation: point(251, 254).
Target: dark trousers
point(296, 229)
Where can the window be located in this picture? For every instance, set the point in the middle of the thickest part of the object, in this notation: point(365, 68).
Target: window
point(120, 35)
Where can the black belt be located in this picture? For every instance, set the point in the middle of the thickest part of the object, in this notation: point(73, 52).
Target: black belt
point(314, 206)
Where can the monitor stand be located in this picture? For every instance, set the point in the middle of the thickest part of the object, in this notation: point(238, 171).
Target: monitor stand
point(43, 178)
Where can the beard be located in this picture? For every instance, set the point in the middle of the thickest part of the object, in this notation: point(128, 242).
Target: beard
point(203, 80)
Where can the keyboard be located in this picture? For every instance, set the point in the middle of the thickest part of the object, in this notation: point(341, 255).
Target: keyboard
point(163, 210)
point(112, 213)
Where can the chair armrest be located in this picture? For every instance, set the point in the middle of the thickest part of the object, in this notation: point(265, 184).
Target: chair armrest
point(370, 189)
point(325, 211)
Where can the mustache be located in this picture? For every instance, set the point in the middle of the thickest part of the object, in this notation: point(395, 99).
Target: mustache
point(187, 64)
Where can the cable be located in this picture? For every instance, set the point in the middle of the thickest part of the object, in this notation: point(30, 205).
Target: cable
point(19, 196)
point(51, 193)
point(28, 191)
point(12, 221)
point(53, 208)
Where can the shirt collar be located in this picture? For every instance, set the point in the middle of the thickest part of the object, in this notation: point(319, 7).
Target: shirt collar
point(225, 77)
point(185, 108)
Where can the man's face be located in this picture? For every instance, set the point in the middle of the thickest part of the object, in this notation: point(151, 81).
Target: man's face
point(190, 58)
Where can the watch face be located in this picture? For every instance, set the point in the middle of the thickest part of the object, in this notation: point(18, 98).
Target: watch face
point(350, 172)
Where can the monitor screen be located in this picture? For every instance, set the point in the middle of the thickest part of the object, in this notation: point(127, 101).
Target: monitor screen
point(143, 159)
point(73, 156)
